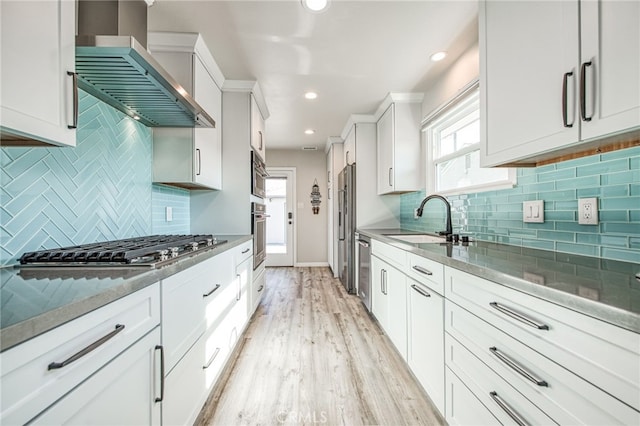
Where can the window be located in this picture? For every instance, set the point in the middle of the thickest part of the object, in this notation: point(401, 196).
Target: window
point(453, 149)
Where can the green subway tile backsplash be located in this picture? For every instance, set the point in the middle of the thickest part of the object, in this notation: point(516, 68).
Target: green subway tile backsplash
point(613, 178)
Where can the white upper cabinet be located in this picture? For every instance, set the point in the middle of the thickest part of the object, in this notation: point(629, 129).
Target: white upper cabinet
point(258, 141)
point(189, 157)
point(610, 43)
point(38, 52)
point(398, 142)
point(556, 77)
point(349, 149)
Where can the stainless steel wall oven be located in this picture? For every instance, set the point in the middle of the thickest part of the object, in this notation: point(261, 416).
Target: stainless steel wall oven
point(258, 176)
point(259, 230)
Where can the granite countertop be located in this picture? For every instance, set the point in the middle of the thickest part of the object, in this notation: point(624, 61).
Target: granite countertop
point(35, 300)
point(601, 288)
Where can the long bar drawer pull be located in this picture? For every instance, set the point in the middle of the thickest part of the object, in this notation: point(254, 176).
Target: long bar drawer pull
point(260, 288)
point(212, 291)
point(83, 352)
point(422, 270)
point(245, 251)
point(510, 411)
point(517, 368)
point(419, 290)
point(518, 316)
point(213, 357)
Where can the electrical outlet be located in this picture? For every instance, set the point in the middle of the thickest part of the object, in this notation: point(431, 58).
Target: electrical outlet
point(588, 211)
point(168, 213)
point(533, 211)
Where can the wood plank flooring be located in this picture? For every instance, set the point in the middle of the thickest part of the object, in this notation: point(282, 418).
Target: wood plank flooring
point(313, 355)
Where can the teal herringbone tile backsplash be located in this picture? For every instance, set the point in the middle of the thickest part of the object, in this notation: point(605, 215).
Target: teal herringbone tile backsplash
point(99, 190)
point(614, 178)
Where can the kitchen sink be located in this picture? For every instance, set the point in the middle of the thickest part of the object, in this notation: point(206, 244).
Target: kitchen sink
point(417, 238)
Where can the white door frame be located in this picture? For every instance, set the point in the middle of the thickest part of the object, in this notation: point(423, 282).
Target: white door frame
point(288, 172)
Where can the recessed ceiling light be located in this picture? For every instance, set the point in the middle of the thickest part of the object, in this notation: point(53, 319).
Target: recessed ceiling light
point(438, 56)
point(309, 132)
point(316, 5)
point(311, 95)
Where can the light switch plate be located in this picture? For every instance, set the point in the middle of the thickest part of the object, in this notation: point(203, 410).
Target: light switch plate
point(588, 211)
point(168, 213)
point(533, 211)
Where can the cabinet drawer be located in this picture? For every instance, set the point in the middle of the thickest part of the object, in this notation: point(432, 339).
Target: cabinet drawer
point(493, 392)
point(130, 383)
point(601, 353)
point(395, 256)
point(29, 386)
point(563, 396)
point(193, 300)
point(185, 389)
point(427, 272)
point(243, 252)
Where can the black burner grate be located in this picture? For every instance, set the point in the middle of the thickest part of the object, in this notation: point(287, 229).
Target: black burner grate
point(127, 251)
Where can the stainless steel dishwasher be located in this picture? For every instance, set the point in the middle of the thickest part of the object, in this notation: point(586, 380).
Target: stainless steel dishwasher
point(364, 268)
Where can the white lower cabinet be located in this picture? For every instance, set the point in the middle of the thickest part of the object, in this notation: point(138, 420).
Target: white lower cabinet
point(389, 302)
point(59, 366)
point(258, 284)
point(124, 392)
point(425, 342)
point(499, 396)
point(204, 314)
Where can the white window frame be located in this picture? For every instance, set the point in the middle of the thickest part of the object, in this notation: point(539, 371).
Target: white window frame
point(465, 99)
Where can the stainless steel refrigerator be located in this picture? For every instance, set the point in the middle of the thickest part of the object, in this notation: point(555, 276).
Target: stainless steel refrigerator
point(347, 227)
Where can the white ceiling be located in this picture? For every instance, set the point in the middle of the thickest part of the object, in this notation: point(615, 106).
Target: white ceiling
point(352, 54)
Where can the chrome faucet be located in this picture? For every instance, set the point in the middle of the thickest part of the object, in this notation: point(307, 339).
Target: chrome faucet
point(449, 229)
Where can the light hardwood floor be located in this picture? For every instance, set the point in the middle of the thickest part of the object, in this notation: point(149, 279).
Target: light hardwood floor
point(313, 355)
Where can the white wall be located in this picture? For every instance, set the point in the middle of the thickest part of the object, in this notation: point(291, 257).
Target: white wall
point(465, 69)
point(311, 229)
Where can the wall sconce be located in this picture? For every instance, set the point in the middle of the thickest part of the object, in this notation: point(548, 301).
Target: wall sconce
point(315, 197)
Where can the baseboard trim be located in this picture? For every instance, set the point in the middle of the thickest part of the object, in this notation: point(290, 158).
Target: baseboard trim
point(311, 264)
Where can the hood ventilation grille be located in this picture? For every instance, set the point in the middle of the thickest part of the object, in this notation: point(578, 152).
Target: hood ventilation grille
point(113, 65)
point(120, 72)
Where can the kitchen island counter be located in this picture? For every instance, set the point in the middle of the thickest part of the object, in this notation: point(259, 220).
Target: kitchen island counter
point(37, 299)
point(601, 288)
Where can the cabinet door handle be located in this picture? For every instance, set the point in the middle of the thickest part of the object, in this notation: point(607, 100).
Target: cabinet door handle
point(101, 341)
point(212, 291)
point(564, 99)
point(517, 368)
point(260, 133)
point(328, 176)
point(260, 288)
point(245, 251)
point(507, 409)
point(74, 76)
point(213, 357)
point(422, 270)
point(386, 283)
point(199, 162)
point(518, 316)
point(161, 349)
point(239, 294)
point(419, 290)
point(583, 91)
point(390, 176)
point(382, 281)
point(347, 156)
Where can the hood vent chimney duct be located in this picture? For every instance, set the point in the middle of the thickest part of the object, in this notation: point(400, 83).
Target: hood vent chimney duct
point(113, 65)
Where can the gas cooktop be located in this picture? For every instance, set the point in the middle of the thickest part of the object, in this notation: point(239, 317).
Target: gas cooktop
point(150, 251)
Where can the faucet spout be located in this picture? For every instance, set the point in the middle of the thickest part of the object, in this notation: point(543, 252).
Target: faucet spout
point(449, 229)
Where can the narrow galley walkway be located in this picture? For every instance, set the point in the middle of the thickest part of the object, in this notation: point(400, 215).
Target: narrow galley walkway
point(313, 355)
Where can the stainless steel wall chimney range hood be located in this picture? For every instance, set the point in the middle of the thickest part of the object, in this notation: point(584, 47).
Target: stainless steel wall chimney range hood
point(113, 64)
